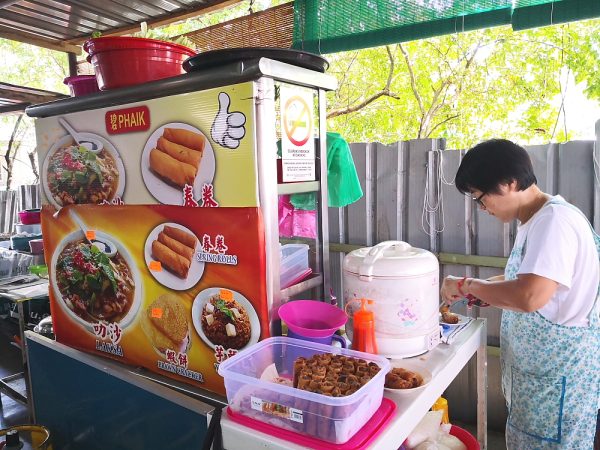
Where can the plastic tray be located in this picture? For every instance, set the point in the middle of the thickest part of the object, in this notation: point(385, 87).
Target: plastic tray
point(359, 441)
point(294, 263)
point(331, 419)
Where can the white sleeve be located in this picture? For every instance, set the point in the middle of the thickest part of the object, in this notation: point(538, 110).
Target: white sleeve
point(551, 249)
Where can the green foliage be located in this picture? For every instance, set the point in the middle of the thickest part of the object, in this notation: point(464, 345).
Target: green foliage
point(466, 87)
point(36, 67)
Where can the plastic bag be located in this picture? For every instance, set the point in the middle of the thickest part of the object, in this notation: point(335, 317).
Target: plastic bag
point(342, 179)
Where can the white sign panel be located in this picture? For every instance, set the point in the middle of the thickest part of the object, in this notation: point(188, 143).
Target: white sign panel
point(297, 138)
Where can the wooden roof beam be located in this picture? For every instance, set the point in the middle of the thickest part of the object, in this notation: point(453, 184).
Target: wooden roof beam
point(25, 94)
point(27, 38)
point(164, 20)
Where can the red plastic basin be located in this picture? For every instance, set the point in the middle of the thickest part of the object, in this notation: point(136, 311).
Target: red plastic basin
point(465, 437)
point(126, 61)
point(82, 85)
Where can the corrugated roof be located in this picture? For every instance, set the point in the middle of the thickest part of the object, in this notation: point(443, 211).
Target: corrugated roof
point(15, 99)
point(62, 24)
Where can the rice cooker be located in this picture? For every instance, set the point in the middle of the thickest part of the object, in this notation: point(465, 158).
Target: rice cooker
point(402, 282)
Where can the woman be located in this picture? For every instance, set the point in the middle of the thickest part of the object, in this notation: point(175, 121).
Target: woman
point(550, 332)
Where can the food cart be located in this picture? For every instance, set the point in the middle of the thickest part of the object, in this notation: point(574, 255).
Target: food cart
point(241, 176)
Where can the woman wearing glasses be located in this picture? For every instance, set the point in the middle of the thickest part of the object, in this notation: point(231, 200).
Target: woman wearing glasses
point(550, 332)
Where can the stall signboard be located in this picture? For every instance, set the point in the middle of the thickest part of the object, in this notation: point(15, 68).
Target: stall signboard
point(175, 290)
point(191, 149)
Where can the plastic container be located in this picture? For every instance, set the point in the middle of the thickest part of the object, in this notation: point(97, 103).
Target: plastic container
point(82, 85)
point(331, 419)
point(33, 228)
point(36, 246)
point(21, 243)
point(360, 441)
point(124, 61)
point(294, 262)
point(29, 216)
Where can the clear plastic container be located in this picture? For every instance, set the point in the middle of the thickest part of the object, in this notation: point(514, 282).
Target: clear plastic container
point(331, 419)
point(294, 263)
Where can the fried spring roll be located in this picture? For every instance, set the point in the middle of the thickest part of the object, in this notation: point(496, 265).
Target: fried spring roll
point(182, 236)
point(303, 381)
point(180, 152)
point(171, 260)
point(170, 169)
point(186, 138)
point(176, 246)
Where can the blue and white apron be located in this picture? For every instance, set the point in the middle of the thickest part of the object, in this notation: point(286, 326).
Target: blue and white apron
point(550, 375)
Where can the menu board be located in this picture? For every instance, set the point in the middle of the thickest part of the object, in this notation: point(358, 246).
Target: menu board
point(184, 149)
point(176, 290)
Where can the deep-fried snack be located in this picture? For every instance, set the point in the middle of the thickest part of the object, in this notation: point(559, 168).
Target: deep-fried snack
point(175, 172)
point(399, 378)
point(182, 236)
point(187, 138)
point(176, 246)
point(174, 262)
point(180, 152)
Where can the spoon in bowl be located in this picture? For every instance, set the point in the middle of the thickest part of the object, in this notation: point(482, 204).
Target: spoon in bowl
point(90, 144)
point(106, 246)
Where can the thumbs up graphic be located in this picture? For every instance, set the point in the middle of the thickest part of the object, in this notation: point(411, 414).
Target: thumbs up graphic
point(228, 128)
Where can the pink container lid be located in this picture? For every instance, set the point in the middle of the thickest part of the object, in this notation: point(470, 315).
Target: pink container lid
point(361, 440)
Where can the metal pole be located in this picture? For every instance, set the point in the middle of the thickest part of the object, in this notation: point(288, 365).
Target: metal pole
point(72, 57)
point(482, 387)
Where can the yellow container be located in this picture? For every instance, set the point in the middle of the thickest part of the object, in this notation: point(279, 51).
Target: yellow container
point(39, 435)
point(442, 404)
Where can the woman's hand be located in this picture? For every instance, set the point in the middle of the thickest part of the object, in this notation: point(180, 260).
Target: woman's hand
point(450, 292)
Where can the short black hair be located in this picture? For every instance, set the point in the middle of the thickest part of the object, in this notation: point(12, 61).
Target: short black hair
point(492, 163)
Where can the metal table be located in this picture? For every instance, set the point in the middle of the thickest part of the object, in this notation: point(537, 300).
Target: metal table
point(445, 362)
point(19, 295)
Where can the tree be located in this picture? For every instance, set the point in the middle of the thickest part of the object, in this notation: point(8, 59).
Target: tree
point(465, 87)
point(31, 66)
point(11, 152)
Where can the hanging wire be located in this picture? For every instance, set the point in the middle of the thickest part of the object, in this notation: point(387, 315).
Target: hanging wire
point(596, 168)
point(250, 5)
point(428, 206)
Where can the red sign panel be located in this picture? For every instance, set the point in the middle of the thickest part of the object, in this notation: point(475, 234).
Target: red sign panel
point(127, 120)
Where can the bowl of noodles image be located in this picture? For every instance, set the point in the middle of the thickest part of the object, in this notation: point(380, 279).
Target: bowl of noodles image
point(96, 281)
point(73, 174)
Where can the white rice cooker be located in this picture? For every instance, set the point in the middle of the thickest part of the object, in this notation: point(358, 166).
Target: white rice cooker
point(402, 282)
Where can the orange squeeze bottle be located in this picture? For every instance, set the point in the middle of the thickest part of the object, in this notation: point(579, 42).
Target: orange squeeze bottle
point(364, 329)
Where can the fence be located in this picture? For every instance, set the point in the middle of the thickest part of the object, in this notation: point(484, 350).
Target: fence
point(11, 202)
point(409, 196)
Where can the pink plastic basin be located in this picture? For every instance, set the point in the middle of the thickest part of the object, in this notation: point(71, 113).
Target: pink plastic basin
point(312, 318)
point(82, 85)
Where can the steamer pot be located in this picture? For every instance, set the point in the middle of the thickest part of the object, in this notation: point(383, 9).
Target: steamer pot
point(403, 282)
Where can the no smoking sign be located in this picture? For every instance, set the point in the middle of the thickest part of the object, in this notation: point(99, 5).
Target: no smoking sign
point(297, 120)
point(297, 137)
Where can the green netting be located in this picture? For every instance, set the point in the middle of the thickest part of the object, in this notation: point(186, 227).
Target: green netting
point(539, 13)
point(327, 26)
